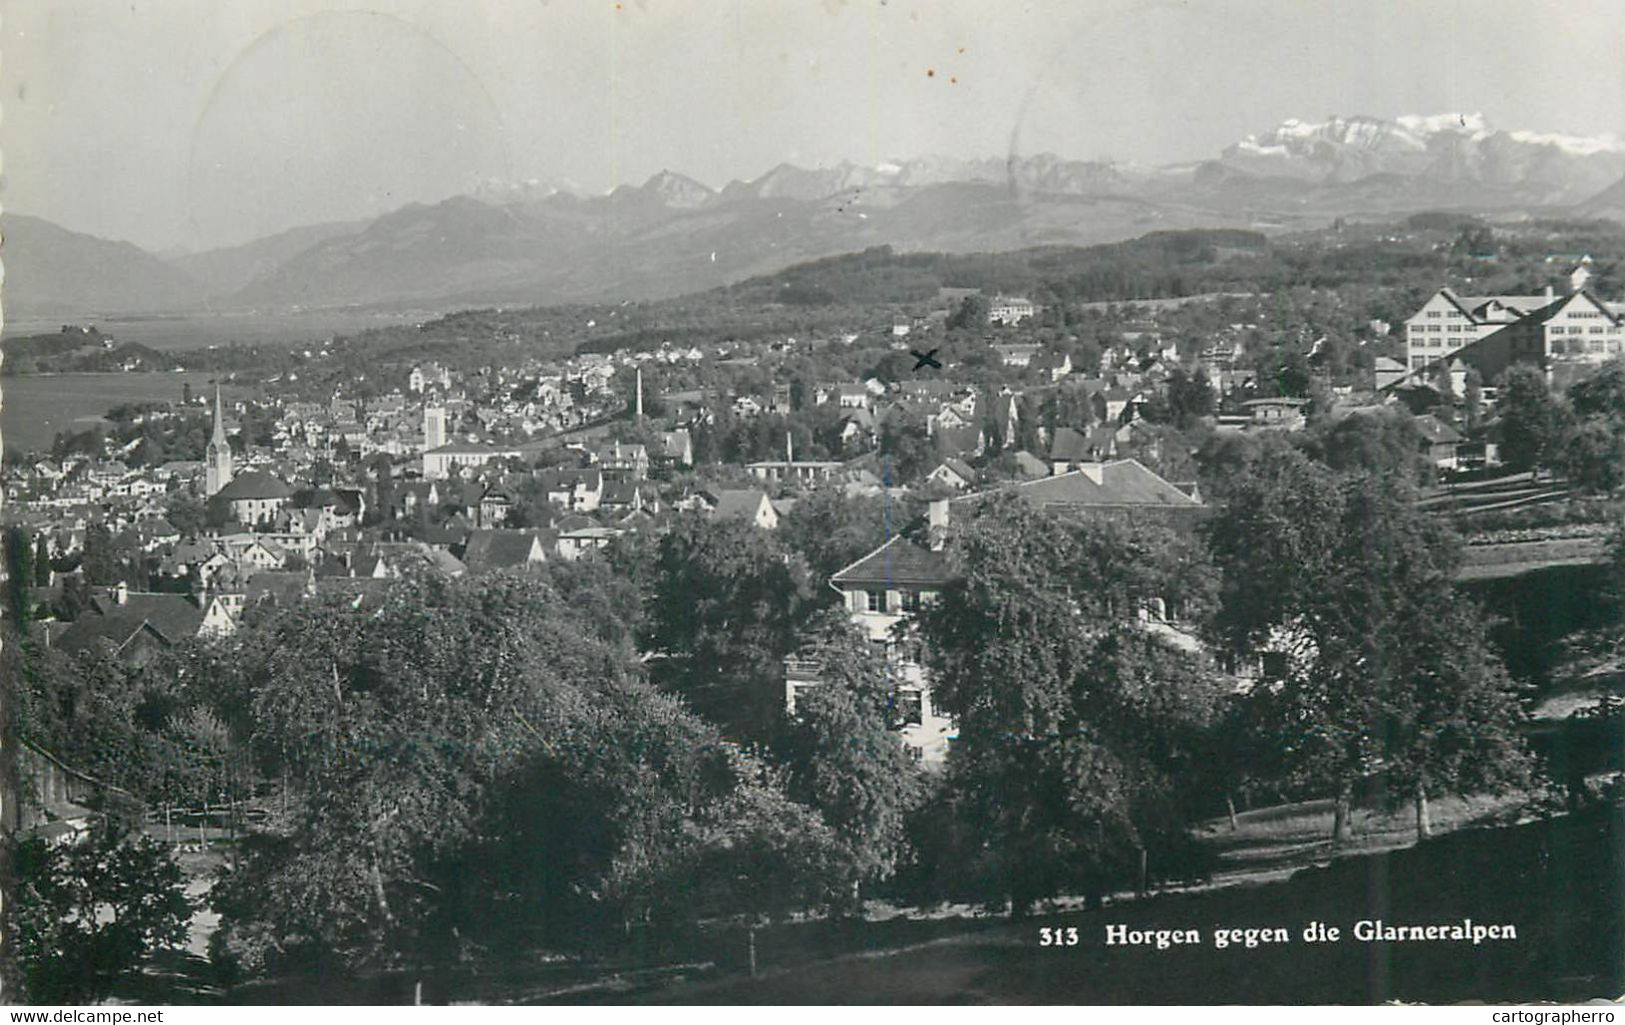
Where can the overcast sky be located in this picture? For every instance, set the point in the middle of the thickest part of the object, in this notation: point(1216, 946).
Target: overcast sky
point(198, 122)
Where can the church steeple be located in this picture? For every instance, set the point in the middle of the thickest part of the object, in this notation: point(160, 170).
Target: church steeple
point(218, 469)
point(219, 436)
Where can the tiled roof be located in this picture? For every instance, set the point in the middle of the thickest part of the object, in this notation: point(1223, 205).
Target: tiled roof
point(898, 561)
point(497, 549)
point(1123, 483)
point(254, 485)
point(1436, 431)
point(743, 503)
point(172, 618)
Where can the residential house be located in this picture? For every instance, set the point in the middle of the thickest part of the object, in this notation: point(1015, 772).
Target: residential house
point(879, 591)
point(489, 550)
point(746, 504)
point(578, 536)
point(1440, 441)
point(1122, 489)
point(952, 473)
point(676, 449)
point(574, 490)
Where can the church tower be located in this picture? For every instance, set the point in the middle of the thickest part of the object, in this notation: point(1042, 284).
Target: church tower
point(218, 454)
point(434, 427)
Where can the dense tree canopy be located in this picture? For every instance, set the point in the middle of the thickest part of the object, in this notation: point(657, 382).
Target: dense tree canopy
point(1381, 665)
point(1078, 726)
point(724, 604)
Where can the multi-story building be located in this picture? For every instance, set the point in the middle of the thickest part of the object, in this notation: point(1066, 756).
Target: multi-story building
point(1577, 330)
point(879, 591)
point(1010, 309)
point(441, 462)
point(896, 580)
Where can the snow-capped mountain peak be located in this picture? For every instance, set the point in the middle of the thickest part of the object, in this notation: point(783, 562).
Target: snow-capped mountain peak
point(1450, 147)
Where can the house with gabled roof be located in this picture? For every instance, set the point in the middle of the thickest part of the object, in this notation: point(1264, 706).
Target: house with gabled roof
point(748, 504)
point(879, 591)
point(489, 550)
point(135, 625)
point(953, 473)
point(1440, 441)
point(1123, 488)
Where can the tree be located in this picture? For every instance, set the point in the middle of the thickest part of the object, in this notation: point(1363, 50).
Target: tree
point(1601, 394)
point(1473, 397)
point(723, 613)
point(42, 561)
point(19, 573)
point(1077, 728)
point(1387, 441)
point(92, 910)
point(832, 530)
point(468, 764)
point(1385, 666)
point(1531, 418)
point(99, 563)
point(972, 313)
point(1184, 400)
point(387, 729)
point(1591, 454)
point(842, 757)
point(186, 511)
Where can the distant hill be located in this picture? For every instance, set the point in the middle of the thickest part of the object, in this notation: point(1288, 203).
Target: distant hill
point(672, 236)
point(224, 271)
point(50, 269)
point(541, 242)
point(1610, 203)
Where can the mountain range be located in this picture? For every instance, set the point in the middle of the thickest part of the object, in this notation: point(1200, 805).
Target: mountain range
point(538, 242)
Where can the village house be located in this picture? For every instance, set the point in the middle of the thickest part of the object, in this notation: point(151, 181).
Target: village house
point(879, 591)
point(574, 490)
point(135, 626)
point(952, 473)
point(747, 504)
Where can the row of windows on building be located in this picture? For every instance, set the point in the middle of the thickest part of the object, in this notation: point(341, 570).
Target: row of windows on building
point(875, 600)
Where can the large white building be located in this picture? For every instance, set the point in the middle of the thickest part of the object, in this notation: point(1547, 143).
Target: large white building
point(443, 461)
point(1549, 329)
point(1010, 309)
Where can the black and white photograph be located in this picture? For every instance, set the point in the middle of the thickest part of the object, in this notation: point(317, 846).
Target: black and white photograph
point(811, 502)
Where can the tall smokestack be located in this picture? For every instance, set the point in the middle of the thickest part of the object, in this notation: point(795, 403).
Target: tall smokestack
point(789, 450)
point(639, 413)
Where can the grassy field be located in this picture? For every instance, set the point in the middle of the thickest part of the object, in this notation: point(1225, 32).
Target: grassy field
point(1484, 562)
